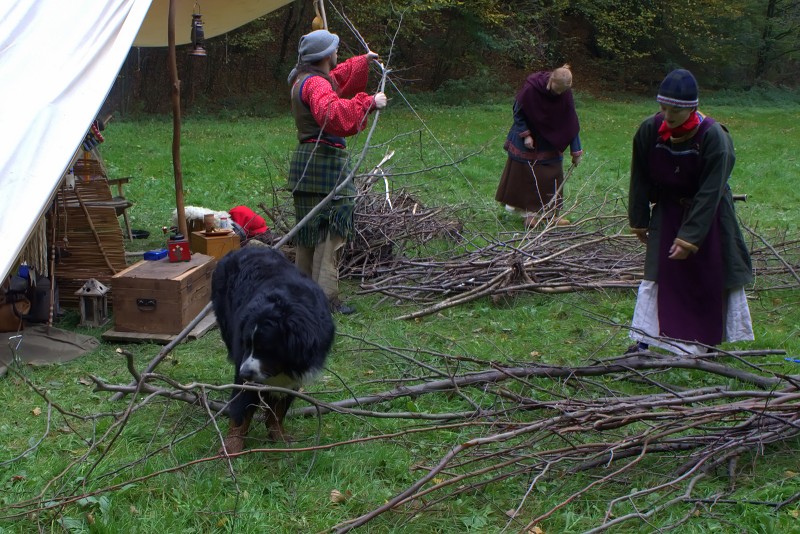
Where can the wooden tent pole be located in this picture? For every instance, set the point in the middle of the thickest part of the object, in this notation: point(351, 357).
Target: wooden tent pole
point(176, 122)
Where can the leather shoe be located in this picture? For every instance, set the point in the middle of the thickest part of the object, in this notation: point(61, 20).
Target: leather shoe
point(532, 221)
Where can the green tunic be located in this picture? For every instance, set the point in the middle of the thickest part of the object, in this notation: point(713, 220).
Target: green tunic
point(717, 155)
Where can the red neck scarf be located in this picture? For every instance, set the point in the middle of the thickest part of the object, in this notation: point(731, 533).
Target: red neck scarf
point(665, 132)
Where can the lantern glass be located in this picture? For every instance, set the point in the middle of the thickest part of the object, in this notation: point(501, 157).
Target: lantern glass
point(198, 36)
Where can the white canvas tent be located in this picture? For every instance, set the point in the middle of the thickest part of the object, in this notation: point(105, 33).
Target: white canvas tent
point(58, 61)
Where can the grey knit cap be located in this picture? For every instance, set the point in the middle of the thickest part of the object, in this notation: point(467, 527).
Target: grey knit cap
point(317, 45)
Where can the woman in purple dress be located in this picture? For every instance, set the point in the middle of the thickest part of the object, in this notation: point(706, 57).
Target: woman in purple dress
point(680, 205)
point(545, 125)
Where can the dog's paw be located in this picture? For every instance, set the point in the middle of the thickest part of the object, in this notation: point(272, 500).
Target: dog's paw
point(232, 445)
point(279, 435)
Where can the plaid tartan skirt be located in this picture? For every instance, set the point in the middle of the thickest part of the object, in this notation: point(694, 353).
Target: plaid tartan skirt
point(314, 171)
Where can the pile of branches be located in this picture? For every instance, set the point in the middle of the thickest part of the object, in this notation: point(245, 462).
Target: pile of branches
point(552, 259)
point(392, 228)
point(388, 224)
point(548, 260)
point(776, 261)
point(522, 425)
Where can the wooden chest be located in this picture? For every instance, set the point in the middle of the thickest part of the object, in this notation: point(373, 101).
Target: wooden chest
point(159, 297)
point(216, 246)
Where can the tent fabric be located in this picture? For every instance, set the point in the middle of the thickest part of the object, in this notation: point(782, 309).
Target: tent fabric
point(58, 61)
point(218, 17)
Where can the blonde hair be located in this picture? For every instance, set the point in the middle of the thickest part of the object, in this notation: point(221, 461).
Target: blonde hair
point(562, 76)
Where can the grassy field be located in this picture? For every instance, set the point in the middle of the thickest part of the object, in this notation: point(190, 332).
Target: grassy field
point(445, 156)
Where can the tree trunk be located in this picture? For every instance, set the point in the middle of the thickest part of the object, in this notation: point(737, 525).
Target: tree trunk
point(762, 56)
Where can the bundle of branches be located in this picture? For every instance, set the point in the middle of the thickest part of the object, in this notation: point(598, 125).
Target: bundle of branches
point(776, 263)
point(551, 259)
point(387, 224)
point(677, 435)
point(599, 428)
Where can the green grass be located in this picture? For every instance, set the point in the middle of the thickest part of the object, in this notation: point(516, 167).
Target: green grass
point(230, 161)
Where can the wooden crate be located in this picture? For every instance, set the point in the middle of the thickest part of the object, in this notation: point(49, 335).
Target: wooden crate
point(159, 297)
point(216, 246)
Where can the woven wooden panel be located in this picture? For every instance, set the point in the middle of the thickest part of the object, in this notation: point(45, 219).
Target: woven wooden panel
point(88, 236)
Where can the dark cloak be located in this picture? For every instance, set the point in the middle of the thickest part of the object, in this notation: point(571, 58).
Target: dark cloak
point(550, 115)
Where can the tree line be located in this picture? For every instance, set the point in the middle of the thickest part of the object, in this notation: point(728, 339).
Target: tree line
point(625, 45)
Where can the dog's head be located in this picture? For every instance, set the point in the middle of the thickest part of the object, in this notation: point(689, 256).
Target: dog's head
point(284, 342)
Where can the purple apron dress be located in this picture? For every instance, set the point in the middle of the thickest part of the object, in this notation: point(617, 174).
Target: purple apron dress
point(690, 291)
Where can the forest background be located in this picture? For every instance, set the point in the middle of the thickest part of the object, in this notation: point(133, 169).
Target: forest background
point(467, 51)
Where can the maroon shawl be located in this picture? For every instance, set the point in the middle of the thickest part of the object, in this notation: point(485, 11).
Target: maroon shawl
point(550, 115)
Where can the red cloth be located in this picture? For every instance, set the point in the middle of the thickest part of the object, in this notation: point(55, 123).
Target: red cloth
point(252, 223)
point(690, 124)
point(343, 112)
point(552, 116)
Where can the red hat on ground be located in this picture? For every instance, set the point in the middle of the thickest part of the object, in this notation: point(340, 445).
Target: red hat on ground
point(252, 223)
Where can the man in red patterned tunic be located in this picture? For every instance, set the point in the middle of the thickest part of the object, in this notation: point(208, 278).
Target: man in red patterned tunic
point(328, 104)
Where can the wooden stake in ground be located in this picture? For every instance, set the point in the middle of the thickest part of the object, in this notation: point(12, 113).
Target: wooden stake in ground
point(176, 121)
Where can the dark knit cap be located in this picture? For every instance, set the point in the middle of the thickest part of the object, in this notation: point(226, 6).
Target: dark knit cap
point(678, 89)
point(317, 45)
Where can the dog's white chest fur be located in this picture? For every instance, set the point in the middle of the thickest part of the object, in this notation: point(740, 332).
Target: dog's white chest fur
point(251, 368)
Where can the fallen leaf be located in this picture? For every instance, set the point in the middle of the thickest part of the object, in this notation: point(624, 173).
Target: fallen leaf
point(511, 513)
point(534, 354)
point(795, 513)
point(790, 473)
point(337, 497)
point(535, 530)
point(37, 411)
point(85, 381)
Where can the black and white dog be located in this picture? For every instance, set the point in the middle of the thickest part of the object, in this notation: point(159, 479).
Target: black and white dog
point(277, 327)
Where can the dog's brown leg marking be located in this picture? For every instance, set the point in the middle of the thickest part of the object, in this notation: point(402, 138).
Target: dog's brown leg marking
point(234, 441)
point(277, 406)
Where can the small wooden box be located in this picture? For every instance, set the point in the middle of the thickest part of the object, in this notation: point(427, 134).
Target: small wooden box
point(159, 297)
point(216, 246)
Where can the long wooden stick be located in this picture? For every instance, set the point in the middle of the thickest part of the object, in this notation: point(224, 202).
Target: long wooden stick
point(93, 229)
point(176, 121)
point(52, 272)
